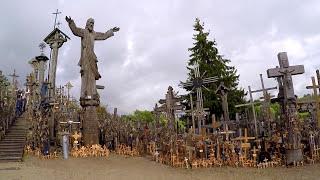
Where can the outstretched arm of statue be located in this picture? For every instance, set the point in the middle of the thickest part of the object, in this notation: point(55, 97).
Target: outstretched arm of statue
point(75, 30)
point(106, 35)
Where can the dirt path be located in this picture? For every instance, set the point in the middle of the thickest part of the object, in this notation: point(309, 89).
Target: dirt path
point(118, 167)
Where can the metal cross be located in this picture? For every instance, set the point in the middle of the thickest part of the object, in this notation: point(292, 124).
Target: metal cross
point(55, 19)
point(42, 46)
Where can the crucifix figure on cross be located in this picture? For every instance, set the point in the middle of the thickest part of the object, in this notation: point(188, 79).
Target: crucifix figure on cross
point(287, 100)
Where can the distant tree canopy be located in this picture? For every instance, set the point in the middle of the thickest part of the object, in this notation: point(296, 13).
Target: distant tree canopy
point(138, 115)
point(206, 54)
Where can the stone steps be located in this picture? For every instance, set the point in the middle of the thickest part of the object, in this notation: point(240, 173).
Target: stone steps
point(12, 145)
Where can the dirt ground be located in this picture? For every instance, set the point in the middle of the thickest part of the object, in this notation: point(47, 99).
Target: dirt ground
point(118, 167)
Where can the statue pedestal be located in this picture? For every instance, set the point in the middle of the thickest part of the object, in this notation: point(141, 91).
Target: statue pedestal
point(90, 126)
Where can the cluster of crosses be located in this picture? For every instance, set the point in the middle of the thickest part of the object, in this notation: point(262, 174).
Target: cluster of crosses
point(271, 143)
point(11, 102)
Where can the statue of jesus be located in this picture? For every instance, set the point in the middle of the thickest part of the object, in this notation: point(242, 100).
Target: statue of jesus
point(88, 60)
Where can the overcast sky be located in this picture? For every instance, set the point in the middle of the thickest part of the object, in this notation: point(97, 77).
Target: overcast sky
point(149, 53)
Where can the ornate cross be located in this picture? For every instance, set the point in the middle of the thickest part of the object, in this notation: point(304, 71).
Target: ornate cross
point(198, 83)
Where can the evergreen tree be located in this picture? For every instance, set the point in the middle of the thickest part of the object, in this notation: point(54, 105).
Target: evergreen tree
point(206, 54)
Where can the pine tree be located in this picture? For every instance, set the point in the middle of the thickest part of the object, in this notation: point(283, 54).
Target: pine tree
point(206, 54)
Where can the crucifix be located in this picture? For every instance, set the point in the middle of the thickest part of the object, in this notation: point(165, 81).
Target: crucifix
point(314, 87)
point(197, 83)
point(287, 99)
point(222, 90)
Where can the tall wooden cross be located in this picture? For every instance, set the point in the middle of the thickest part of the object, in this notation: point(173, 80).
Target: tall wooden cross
point(265, 104)
point(14, 80)
point(196, 113)
point(68, 86)
point(198, 83)
point(287, 99)
point(251, 104)
point(315, 87)
point(170, 105)
point(266, 96)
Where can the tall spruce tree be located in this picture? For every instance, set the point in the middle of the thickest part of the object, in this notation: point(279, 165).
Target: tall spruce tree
point(210, 61)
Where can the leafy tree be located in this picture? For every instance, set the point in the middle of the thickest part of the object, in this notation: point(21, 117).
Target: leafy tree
point(206, 54)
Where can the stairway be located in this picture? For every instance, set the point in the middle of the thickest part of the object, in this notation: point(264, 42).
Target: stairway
point(12, 146)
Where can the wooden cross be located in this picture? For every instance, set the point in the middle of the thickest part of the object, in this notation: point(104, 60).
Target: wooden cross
point(170, 105)
point(254, 154)
point(198, 83)
point(314, 86)
point(286, 96)
point(14, 80)
point(68, 86)
point(266, 102)
point(245, 144)
point(227, 132)
point(200, 113)
point(285, 72)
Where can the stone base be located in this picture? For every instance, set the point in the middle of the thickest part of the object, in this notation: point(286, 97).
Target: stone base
point(94, 101)
point(90, 126)
point(293, 155)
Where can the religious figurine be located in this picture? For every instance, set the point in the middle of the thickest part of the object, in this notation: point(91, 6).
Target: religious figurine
point(88, 60)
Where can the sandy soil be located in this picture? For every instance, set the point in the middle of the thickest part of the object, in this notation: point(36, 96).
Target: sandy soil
point(118, 167)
